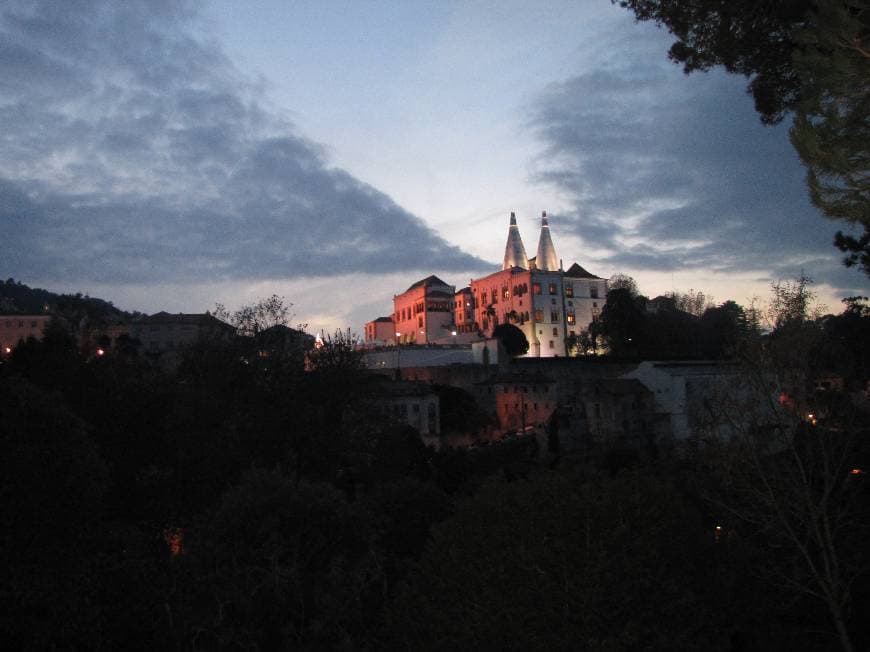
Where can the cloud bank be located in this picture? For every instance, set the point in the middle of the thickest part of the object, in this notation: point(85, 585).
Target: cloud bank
point(668, 172)
point(133, 151)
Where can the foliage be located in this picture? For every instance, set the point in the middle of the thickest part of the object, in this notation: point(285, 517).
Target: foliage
point(621, 323)
point(307, 519)
point(623, 282)
point(693, 302)
point(831, 132)
point(743, 36)
point(255, 318)
point(513, 339)
point(336, 353)
point(791, 303)
point(562, 562)
point(785, 465)
point(806, 57)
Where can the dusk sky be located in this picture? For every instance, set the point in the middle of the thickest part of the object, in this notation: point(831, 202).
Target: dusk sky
point(169, 155)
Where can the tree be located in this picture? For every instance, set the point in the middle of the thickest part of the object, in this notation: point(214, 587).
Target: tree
point(513, 339)
point(252, 319)
point(831, 132)
point(621, 323)
point(692, 302)
point(789, 457)
point(806, 57)
point(790, 476)
point(724, 327)
point(623, 282)
point(563, 561)
point(792, 302)
point(336, 353)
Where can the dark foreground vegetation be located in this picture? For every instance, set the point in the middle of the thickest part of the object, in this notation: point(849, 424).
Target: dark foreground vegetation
point(241, 503)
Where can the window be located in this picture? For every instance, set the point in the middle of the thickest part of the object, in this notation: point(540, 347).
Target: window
point(554, 315)
point(552, 288)
point(594, 304)
point(555, 332)
point(551, 344)
point(553, 301)
point(571, 317)
point(8, 323)
point(33, 324)
point(420, 321)
point(536, 288)
point(569, 289)
point(539, 315)
point(416, 407)
point(483, 298)
point(20, 323)
point(505, 294)
point(593, 292)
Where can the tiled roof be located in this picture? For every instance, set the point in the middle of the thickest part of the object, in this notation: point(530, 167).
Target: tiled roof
point(426, 282)
point(383, 319)
point(575, 271)
point(199, 319)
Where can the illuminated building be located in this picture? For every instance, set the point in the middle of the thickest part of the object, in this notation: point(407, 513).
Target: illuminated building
point(546, 302)
point(380, 331)
point(17, 328)
point(423, 314)
point(164, 332)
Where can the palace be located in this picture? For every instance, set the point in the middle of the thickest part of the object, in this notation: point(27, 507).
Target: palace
point(549, 304)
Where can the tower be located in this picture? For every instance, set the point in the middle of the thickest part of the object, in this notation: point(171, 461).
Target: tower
point(546, 258)
point(514, 251)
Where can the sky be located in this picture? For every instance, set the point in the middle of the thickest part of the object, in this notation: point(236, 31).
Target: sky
point(168, 155)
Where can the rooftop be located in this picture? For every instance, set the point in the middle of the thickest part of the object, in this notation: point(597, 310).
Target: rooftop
point(426, 282)
point(575, 271)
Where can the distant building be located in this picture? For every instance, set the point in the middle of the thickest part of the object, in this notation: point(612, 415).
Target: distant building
point(423, 314)
point(164, 332)
point(380, 332)
point(16, 328)
point(282, 341)
point(536, 295)
point(412, 403)
point(683, 390)
point(518, 401)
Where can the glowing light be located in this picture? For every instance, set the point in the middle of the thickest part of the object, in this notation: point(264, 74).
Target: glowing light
point(453, 333)
point(101, 352)
point(7, 349)
point(174, 539)
point(718, 528)
point(856, 471)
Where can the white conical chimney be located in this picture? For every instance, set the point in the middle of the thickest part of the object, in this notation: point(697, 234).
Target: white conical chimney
point(514, 251)
point(546, 259)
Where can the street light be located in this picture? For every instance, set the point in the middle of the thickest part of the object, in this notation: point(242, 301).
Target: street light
point(398, 355)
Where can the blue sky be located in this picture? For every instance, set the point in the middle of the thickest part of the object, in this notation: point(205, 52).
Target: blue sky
point(170, 155)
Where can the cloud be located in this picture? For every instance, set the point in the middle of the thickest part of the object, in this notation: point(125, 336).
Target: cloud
point(667, 172)
point(134, 151)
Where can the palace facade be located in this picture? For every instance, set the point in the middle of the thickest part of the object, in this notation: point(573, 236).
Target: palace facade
point(548, 303)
